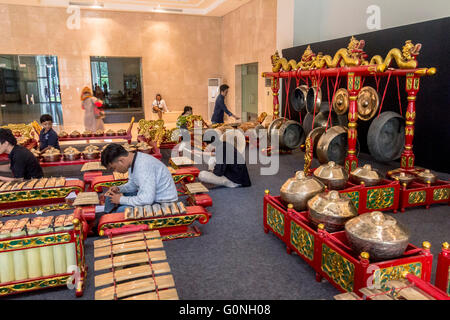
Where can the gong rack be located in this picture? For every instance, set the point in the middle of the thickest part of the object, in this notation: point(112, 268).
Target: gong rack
point(401, 196)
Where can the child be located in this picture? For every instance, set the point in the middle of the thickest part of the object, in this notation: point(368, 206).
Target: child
point(48, 137)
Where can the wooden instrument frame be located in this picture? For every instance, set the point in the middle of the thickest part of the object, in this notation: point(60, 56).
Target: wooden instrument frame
point(170, 226)
point(50, 239)
point(443, 270)
point(38, 197)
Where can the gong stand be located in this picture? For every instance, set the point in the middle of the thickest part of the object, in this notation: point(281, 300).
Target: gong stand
point(355, 78)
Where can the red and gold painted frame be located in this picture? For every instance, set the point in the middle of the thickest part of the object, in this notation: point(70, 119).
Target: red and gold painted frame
point(38, 197)
point(331, 256)
point(170, 227)
point(443, 269)
point(55, 238)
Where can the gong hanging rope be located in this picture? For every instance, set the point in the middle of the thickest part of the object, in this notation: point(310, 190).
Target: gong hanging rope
point(399, 98)
point(384, 94)
point(336, 85)
point(318, 86)
point(286, 106)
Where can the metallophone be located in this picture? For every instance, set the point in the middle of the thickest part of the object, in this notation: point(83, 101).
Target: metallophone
point(331, 256)
point(137, 267)
point(40, 253)
point(173, 220)
point(182, 176)
point(30, 196)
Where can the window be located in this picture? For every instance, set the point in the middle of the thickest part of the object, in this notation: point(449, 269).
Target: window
point(100, 74)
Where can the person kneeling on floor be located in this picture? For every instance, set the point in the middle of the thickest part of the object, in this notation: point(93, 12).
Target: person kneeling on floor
point(228, 173)
point(149, 180)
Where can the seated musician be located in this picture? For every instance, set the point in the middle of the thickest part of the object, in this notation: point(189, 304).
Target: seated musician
point(48, 137)
point(149, 180)
point(231, 174)
point(23, 164)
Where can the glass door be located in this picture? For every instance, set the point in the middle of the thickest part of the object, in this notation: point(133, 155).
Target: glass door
point(29, 87)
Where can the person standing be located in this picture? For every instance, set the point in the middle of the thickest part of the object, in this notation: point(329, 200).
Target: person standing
point(93, 116)
point(220, 108)
point(159, 106)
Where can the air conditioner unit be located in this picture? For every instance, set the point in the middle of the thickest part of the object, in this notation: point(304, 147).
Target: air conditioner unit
point(213, 91)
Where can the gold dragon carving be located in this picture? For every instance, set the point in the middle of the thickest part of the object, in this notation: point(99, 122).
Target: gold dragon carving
point(405, 58)
point(351, 56)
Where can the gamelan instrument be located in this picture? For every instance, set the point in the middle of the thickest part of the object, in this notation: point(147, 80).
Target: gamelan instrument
point(332, 175)
point(173, 220)
point(137, 265)
point(313, 99)
point(332, 145)
point(299, 189)
point(409, 287)
point(298, 98)
point(368, 102)
point(386, 136)
point(40, 253)
point(97, 135)
point(341, 101)
point(346, 266)
point(290, 133)
point(35, 192)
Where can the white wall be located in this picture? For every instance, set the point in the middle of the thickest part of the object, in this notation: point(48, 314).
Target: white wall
point(321, 20)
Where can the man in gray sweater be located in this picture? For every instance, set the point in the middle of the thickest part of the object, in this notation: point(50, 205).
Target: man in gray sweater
point(149, 180)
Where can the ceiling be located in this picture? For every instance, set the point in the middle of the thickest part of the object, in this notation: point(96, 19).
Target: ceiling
point(217, 8)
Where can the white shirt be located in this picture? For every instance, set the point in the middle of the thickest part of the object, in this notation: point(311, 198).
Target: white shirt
point(161, 104)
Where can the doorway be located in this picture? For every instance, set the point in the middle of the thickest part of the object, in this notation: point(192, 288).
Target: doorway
point(249, 95)
point(29, 87)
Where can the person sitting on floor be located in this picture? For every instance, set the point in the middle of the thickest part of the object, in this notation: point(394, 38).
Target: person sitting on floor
point(47, 137)
point(149, 180)
point(182, 119)
point(231, 174)
point(23, 164)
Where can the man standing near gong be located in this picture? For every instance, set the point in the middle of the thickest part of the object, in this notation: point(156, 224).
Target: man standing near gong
point(220, 108)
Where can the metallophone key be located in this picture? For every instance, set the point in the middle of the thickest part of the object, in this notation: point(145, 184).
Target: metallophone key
point(155, 210)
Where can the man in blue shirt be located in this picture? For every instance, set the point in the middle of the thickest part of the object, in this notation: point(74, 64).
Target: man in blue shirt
point(47, 137)
point(220, 108)
point(149, 180)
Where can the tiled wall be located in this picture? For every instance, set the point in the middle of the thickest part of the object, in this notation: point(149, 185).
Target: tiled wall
point(179, 52)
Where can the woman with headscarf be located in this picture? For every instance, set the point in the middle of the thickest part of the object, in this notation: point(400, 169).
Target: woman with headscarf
point(93, 115)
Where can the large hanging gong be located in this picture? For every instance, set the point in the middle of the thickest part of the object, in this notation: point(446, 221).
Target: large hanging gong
point(386, 136)
point(290, 133)
point(332, 145)
point(340, 101)
point(313, 97)
point(367, 103)
point(320, 119)
point(298, 97)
